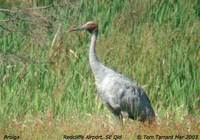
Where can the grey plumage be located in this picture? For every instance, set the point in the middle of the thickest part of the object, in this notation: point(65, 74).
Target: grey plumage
point(117, 92)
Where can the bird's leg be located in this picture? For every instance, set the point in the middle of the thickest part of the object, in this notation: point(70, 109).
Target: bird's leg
point(121, 119)
point(124, 116)
point(116, 110)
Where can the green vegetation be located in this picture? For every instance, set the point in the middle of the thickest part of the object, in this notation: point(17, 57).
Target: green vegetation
point(44, 68)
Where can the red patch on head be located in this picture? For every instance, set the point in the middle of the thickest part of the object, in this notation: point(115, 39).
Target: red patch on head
point(91, 27)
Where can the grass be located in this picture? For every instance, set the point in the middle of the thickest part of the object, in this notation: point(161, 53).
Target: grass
point(39, 128)
point(154, 42)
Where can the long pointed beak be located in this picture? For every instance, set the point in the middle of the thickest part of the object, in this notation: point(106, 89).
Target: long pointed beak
point(76, 29)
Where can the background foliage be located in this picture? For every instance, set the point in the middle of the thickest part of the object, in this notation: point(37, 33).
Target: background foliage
point(43, 68)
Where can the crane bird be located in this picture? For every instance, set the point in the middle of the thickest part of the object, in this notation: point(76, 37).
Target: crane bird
point(121, 95)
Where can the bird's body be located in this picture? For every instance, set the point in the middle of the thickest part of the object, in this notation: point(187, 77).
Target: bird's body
point(117, 92)
point(120, 94)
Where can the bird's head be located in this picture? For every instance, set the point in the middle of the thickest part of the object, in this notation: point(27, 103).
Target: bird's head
point(89, 26)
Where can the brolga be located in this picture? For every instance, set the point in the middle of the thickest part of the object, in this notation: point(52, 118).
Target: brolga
point(123, 97)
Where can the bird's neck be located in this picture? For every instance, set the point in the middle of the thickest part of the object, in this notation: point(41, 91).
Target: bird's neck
point(96, 66)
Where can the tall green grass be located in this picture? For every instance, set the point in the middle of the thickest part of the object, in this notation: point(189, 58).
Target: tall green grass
point(154, 42)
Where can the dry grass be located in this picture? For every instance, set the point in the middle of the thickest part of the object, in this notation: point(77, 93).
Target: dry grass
point(49, 128)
